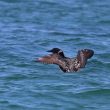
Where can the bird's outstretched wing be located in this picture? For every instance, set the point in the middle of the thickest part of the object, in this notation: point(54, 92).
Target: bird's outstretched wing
point(49, 59)
point(53, 59)
point(83, 56)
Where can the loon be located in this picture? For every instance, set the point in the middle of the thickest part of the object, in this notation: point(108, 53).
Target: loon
point(67, 64)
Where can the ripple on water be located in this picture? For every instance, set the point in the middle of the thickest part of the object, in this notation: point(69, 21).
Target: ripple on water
point(28, 30)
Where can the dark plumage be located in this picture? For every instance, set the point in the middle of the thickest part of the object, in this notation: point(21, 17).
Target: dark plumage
point(67, 64)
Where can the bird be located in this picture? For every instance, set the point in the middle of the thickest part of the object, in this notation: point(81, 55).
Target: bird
point(67, 64)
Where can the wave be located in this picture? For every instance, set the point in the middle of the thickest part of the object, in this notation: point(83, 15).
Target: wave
point(94, 92)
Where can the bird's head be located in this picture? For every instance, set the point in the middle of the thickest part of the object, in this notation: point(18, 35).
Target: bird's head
point(57, 51)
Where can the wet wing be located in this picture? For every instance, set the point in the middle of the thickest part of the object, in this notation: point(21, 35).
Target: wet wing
point(49, 59)
point(84, 55)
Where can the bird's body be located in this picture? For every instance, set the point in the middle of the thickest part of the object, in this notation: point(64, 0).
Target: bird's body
point(70, 65)
point(67, 64)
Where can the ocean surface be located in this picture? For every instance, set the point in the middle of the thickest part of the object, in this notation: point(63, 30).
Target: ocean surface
point(28, 28)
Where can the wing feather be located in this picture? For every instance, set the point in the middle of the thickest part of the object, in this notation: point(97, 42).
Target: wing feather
point(84, 55)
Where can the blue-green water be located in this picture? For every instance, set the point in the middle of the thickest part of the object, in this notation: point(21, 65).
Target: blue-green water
point(28, 28)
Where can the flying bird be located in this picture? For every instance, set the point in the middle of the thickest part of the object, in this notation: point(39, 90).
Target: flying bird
point(67, 64)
